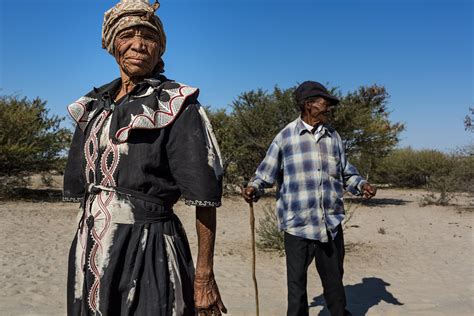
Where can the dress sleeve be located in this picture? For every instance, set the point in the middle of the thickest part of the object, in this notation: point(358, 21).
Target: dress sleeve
point(194, 158)
point(74, 183)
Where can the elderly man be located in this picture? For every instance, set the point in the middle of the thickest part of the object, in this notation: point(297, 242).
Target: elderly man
point(141, 142)
point(307, 160)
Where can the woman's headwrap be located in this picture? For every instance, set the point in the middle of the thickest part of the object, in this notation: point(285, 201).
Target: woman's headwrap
point(129, 13)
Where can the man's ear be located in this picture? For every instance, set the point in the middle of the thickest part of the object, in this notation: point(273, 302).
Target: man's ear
point(307, 106)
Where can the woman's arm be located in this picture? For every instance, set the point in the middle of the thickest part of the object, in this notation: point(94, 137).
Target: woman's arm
point(206, 292)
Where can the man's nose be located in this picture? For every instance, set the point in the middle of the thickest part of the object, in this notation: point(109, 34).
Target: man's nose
point(325, 107)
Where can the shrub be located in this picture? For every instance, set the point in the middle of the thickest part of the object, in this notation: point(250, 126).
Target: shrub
point(31, 141)
point(442, 198)
point(456, 175)
point(410, 168)
point(270, 237)
point(350, 209)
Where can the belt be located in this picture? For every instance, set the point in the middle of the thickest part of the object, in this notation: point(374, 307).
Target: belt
point(141, 214)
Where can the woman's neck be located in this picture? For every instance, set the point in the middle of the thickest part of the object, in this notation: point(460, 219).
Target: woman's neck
point(308, 119)
point(128, 83)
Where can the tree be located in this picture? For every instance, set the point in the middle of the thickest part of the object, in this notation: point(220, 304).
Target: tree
point(257, 116)
point(31, 140)
point(468, 149)
point(468, 121)
point(362, 120)
point(246, 132)
point(223, 127)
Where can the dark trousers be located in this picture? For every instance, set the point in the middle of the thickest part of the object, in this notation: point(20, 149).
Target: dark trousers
point(329, 259)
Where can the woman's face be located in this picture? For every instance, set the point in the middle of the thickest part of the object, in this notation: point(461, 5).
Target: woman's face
point(137, 51)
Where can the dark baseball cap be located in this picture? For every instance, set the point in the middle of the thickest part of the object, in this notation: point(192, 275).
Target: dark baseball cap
point(313, 89)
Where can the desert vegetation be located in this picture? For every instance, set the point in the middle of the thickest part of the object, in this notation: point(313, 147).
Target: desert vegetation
point(31, 141)
point(382, 236)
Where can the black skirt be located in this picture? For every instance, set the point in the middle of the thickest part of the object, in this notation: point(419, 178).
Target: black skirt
point(129, 257)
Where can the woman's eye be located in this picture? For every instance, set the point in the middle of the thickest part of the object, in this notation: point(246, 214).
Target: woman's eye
point(149, 36)
point(126, 35)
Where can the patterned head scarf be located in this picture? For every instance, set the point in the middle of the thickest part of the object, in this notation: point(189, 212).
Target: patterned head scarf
point(129, 13)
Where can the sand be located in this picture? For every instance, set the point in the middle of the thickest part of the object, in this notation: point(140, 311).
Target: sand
point(402, 259)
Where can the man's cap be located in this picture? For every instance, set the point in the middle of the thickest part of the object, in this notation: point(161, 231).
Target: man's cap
point(313, 89)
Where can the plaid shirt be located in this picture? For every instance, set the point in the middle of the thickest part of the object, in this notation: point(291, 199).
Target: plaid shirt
point(312, 173)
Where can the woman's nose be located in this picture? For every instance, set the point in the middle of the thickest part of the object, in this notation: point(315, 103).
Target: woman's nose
point(138, 44)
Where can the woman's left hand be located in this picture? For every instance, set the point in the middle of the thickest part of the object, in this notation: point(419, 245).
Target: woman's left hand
point(207, 298)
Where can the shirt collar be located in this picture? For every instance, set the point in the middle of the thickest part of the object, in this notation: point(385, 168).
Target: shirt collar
point(302, 127)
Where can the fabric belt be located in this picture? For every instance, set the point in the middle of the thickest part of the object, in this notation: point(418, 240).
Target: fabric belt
point(141, 214)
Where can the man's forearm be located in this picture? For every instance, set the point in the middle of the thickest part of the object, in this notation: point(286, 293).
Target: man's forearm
point(206, 233)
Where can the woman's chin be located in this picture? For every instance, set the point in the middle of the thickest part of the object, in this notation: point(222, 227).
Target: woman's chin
point(137, 71)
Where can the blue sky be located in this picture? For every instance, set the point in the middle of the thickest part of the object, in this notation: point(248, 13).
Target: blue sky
point(420, 50)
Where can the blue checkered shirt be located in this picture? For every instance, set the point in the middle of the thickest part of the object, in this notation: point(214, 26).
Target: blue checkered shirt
point(312, 173)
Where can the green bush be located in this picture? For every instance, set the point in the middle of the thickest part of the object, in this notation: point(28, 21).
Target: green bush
point(431, 169)
point(411, 168)
point(270, 237)
point(440, 173)
point(31, 141)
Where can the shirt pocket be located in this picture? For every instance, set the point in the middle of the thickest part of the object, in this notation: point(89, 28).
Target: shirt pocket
point(334, 167)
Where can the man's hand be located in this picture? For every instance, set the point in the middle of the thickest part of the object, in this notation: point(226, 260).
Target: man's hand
point(207, 298)
point(368, 191)
point(250, 194)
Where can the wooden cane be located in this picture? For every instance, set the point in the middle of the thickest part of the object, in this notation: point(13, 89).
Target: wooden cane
point(252, 228)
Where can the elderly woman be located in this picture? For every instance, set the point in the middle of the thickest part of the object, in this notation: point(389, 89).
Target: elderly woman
point(141, 142)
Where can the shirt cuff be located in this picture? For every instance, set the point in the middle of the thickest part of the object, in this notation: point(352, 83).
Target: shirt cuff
point(259, 187)
point(360, 185)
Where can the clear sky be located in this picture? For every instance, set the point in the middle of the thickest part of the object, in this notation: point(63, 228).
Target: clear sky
point(420, 50)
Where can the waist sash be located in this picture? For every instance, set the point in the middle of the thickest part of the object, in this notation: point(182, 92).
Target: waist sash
point(145, 208)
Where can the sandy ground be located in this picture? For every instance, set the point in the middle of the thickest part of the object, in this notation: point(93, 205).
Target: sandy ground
point(403, 259)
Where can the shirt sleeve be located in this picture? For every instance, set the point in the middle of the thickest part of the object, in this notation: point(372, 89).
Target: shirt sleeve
point(352, 179)
point(192, 159)
point(269, 169)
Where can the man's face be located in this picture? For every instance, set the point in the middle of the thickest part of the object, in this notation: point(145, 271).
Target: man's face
point(318, 109)
point(137, 51)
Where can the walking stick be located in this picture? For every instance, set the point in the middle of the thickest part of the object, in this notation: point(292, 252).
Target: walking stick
point(252, 228)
